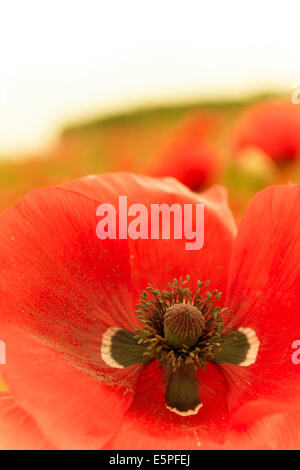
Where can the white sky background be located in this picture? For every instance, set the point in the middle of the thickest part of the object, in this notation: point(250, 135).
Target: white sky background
point(61, 60)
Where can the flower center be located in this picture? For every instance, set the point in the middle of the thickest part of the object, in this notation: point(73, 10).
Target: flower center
point(183, 325)
point(183, 330)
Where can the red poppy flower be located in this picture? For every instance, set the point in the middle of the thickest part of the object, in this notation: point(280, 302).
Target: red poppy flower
point(273, 126)
point(76, 372)
point(190, 156)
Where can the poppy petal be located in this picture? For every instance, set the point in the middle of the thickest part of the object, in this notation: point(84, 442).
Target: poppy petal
point(182, 396)
point(264, 295)
point(273, 432)
point(66, 403)
point(120, 348)
point(273, 126)
point(58, 279)
point(61, 288)
point(238, 347)
point(59, 291)
point(17, 430)
point(153, 260)
point(150, 424)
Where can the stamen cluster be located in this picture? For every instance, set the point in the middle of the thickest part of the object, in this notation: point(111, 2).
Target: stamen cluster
point(152, 310)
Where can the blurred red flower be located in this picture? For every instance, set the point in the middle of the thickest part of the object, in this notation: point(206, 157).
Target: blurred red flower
point(273, 126)
point(190, 156)
point(62, 291)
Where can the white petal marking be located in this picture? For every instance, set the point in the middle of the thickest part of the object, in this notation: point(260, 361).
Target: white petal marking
point(254, 346)
point(185, 413)
point(106, 348)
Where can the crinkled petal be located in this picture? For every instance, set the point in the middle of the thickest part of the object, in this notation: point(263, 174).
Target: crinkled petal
point(73, 409)
point(153, 260)
point(264, 294)
point(149, 424)
point(61, 288)
point(18, 431)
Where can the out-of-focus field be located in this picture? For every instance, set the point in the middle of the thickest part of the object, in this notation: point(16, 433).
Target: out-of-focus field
point(129, 142)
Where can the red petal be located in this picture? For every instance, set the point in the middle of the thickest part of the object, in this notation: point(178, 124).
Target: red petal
point(60, 287)
point(17, 430)
point(264, 294)
point(189, 156)
point(58, 279)
point(192, 163)
point(149, 424)
point(277, 432)
point(153, 260)
point(273, 126)
point(74, 410)
point(274, 432)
